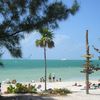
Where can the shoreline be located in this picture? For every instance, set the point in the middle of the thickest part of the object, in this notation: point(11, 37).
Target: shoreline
point(51, 85)
point(78, 92)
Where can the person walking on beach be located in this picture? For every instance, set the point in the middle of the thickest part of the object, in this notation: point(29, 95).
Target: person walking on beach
point(53, 78)
point(50, 77)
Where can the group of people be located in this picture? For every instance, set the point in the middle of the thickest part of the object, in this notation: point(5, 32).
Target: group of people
point(95, 86)
point(51, 78)
point(42, 79)
point(90, 85)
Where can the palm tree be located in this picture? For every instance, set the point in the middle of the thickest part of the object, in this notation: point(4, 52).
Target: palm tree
point(45, 41)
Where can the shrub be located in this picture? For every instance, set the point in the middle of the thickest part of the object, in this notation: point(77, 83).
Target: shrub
point(56, 92)
point(32, 89)
point(10, 89)
point(61, 91)
point(20, 88)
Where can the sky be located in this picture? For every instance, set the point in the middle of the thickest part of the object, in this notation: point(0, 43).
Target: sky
point(69, 38)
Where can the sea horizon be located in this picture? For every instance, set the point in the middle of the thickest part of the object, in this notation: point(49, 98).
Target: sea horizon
point(28, 70)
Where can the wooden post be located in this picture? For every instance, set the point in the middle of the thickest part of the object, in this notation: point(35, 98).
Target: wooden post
point(88, 67)
point(87, 63)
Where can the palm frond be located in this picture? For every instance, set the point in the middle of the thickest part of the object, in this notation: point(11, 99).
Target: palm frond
point(37, 42)
point(51, 44)
point(46, 38)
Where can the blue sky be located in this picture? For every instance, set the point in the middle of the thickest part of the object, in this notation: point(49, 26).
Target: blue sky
point(70, 37)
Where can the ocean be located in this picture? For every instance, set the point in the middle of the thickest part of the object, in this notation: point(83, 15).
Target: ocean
point(28, 70)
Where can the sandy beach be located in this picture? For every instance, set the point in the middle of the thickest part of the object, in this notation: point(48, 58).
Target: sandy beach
point(69, 85)
point(78, 92)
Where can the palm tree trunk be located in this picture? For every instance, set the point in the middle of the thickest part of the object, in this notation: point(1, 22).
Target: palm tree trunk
point(45, 68)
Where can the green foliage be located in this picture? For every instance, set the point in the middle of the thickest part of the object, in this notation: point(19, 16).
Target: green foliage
point(24, 16)
point(60, 91)
point(56, 91)
point(46, 39)
point(19, 88)
point(1, 63)
point(74, 8)
point(11, 89)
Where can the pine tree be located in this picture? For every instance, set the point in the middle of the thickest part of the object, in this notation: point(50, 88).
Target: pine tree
point(19, 17)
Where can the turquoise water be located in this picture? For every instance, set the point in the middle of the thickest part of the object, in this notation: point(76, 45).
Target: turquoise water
point(27, 70)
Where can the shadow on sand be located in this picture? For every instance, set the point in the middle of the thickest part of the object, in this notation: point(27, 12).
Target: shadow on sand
point(24, 97)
